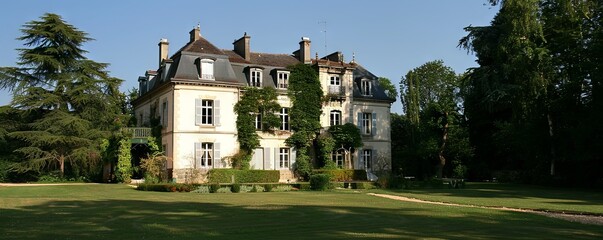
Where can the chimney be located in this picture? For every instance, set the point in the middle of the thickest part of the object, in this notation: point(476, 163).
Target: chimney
point(242, 47)
point(304, 50)
point(195, 34)
point(163, 50)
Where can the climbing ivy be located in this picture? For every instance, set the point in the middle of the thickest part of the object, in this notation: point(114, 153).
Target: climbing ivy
point(254, 101)
point(123, 171)
point(326, 145)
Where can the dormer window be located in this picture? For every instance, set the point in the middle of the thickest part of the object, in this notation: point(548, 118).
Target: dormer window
point(206, 69)
point(282, 79)
point(255, 77)
point(365, 87)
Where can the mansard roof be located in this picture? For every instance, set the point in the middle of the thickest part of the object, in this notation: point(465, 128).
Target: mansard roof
point(263, 59)
point(377, 91)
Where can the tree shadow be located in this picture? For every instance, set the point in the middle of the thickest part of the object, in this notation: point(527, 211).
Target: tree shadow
point(147, 219)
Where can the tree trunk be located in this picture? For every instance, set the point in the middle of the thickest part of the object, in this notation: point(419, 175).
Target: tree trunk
point(552, 147)
point(62, 165)
point(442, 163)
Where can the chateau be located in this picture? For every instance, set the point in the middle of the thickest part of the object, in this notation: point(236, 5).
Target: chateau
point(194, 91)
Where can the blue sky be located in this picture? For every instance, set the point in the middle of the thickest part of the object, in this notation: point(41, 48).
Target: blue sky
point(389, 38)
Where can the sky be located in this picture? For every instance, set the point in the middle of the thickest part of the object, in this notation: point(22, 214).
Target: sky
point(387, 37)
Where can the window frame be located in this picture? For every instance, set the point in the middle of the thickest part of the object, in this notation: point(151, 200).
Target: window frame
point(335, 118)
point(257, 121)
point(255, 77)
point(284, 115)
point(207, 64)
point(284, 158)
point(338, 156)
point(282, 79)
point(367, 159)
point(335, 80)
point(367, 123)
point(207, 112)
point(204, 155)
point(366, 87)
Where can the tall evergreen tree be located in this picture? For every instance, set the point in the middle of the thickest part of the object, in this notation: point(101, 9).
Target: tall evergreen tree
point(75, 97)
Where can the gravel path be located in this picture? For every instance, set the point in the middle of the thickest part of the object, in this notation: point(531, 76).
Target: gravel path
point(586, 219)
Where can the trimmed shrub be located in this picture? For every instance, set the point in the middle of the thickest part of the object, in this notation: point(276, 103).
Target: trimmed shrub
point(165, 187)
point(235, 188)
point(363, 185)
point(213, 188)
point(343, 175)
point(268, 187)
point(243, 176)
point(319, 182)
point(202, 189)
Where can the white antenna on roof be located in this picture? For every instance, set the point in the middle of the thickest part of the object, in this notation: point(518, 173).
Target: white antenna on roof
point(324, 30)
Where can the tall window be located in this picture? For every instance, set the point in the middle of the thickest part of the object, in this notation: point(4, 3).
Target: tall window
point(338, 157)
point(204, 155)
point(258, 121)
point(367, 158)
point(335, 118)
point(256, 77)
point(282, 79)
point(284, 114)
point(207, 112)
point(366, 123)
point(283, 158)
point(207, 69)
point(365, 87)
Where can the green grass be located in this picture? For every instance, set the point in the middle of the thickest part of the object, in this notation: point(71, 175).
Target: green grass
point(119, 212)
point(515, 196)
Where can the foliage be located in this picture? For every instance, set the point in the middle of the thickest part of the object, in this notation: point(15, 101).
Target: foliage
point(326, 145)
point(243, 176)
point(302, 167)
point(342, 175)
point(155, 168)
point(390, 89)
point(240, 160)
point(165, 187)
point(268, 187)
point(67, 102)
point(214, 187)
point(123, 170)
point(320, 182)
point(346, 136)
point(255, 101)
point(235, 188)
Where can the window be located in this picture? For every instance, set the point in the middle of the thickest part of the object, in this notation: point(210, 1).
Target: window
point(365, 87)
point(255, 77)
point(367, 157)
point(367, 122)
point(335, 118)
point(207, 112)
point(164, 114)
point(284, 158)
point(284, 114)
point(204, 153)
point(282, 79)
point(207, 69)
point(335, 81)
point(258, 121)
point(338, 158)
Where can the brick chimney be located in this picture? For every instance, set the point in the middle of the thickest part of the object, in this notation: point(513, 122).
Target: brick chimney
point(163, 50)
point(242, 47)
point(304, 50)
point(195, 34)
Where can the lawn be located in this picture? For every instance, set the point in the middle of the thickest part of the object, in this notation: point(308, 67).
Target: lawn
point(514, 196)
point(119, 212)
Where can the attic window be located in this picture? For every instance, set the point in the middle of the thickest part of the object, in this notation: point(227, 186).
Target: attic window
point(255, 77)
point(206, 69)
point(282, 79)
point(365, 87)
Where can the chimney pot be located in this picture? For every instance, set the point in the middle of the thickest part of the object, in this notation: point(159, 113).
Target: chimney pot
point(163, 50)
point(195, 34)
point(304, 50)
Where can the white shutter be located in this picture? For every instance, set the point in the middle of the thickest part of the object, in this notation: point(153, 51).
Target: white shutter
point(373, 158)
point(217, 113)
point(360, 161)
point(217, 158)
point(198, 154)
point(374, 125)
point(360, 122)
point(292, 157)
point(198, 111)
point(276, 158)
point(266, 158)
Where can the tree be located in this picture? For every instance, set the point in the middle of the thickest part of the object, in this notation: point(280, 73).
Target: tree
point(430, 96)
point(56, 81)
point(390, 89)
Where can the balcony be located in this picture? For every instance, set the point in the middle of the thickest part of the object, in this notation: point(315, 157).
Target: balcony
point(336, 92)
point(139, 134)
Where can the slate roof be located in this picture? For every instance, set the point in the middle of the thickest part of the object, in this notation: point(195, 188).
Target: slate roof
point(377, 91)
point(263, 59)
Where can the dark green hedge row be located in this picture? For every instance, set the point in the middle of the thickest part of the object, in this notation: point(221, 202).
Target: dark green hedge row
point(343, 175)
point(243, 176)
point(166, 187)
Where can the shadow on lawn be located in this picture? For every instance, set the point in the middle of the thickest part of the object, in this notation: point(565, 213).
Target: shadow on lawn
point(138, 219)
point(516, 191)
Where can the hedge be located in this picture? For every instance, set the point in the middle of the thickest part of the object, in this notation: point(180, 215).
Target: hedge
point(343, 175)
point(166, 187)
point(319, 182)
point(243, 176)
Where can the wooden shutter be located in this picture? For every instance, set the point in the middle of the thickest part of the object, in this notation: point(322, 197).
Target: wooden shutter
point(266, 158)
point(217, 113)
point(373, 158)
point(359, 120)
point(276, 158)
point(374, 125)
point(217, 159)
point(292, 157)
point(360, 161)
point(198, 111)
point(198, 154)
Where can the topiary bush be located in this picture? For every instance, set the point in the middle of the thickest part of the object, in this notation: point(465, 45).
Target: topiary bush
point(213, 188)
point(235, 188)
point(319, 182)
point(268, 187)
